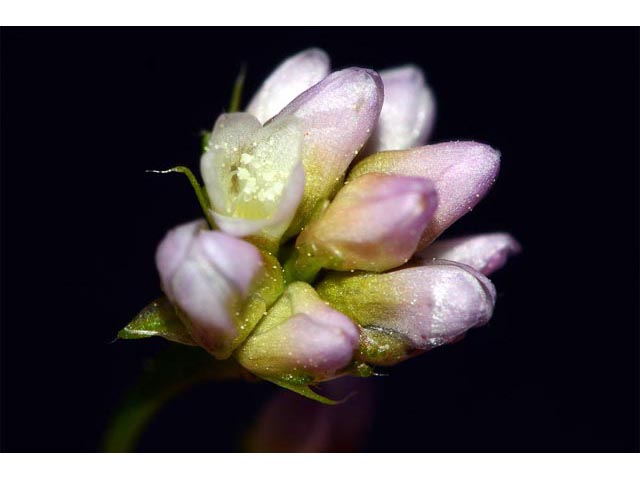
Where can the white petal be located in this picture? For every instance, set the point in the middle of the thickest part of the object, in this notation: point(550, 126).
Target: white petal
point(253, 174)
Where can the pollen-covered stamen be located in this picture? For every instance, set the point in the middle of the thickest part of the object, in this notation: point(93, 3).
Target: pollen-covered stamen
point(256, 182)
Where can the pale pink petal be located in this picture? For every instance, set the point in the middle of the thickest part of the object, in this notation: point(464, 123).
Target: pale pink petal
point(408, 112)
point(313, 344)
point(485, 253)
point(292, 77)
point(175, 245)
point(202, 295)
point(337, 116)
point(462, 172)
point(238, 261)
point(207, 275)
point(374, 223)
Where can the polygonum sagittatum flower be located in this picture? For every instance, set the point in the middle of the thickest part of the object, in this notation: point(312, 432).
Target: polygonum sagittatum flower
point(319, 257)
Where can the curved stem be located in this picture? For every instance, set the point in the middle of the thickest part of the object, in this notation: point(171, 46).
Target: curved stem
point(197, 188)
point(170, 373)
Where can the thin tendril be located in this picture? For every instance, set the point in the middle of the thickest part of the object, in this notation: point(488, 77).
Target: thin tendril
point(197, 188)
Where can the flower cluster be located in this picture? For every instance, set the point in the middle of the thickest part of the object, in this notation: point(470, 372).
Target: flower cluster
point(318, 259)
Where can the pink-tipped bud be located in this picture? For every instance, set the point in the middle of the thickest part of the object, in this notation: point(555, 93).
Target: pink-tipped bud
point(208, 276)
point(374, 223)
point(301, 337)
point(412, 309)
point(462, 172)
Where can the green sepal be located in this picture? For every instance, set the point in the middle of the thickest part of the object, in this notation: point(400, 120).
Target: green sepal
point(204, 144)
point(158, 319)
point(302, 389)
point(360, 369)
point(302, 263)
point(268, 286)
point(384, 347)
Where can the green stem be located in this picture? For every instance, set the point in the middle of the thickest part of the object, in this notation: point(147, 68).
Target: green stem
point(172, 372)
point(300, 267)
point(197, 188)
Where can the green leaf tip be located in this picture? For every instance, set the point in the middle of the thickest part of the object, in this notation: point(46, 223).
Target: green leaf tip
point(301, 386)
point(238, 86)
point(158, 319)
point(206, 136)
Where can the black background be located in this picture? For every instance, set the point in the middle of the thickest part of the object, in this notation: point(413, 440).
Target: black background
point(85, 112)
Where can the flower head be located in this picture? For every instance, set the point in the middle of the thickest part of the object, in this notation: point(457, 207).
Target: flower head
point(321, 265)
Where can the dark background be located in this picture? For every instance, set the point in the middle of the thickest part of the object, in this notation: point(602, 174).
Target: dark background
point(85, 112)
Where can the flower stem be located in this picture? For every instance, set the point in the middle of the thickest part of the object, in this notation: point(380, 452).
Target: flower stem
point(197, 188)
point(300, 267)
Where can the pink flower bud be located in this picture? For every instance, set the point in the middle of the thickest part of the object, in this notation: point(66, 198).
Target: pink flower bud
point(337, 116)
point(207, 275)
point(408, 112)
point(374, 223)
point(484, 253)
point(302, 337)
point(462, 172)
point(411, 309)
point(292, 77)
